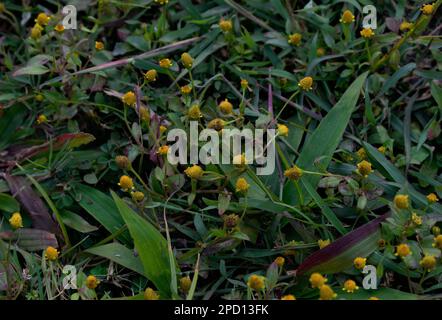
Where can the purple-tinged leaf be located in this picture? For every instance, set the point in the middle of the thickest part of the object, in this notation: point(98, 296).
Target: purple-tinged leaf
point(30, 239)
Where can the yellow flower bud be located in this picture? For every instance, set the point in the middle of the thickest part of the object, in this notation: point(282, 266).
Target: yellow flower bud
point(16, 220)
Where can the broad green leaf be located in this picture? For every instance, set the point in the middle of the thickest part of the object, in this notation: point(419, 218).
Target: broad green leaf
point(119, 254)
point(8, 203)
point(150, 245)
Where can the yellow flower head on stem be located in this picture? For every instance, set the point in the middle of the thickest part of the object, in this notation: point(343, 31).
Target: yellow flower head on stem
point(138, 196)
point(362, 154)
point(367, 33)
point(320, 52)
point(225, 25)
point(401, 201)
point(350, 286)
point(364, 168)
point(241, 185)
point(428, 263)
point(359, 263)
point(417, 220)
point(99, 45)
point(306, 83)
point(280, 261)
point(163, 150)
point(438, 242)
point(323, 243)
point(186, 89)
point(295, 39)
point(256, 282)
point(225, 107)
point(231, 220)
point(16, 220)
point(126, 183)
point(144, 113)
point(427, 9)
point(405, 26)
point(185, 283)
point(382, 149)
point(432, 198)
point(194, 172)
point(129, 98)
point(163, 129)
point(59, 28)
point(122, 162)
point(317, 280)
point(92, 282)
point(43, 19)
point(402, 250)
point(347, 17)
point(293, 173)
point(51, 253)
point(151, 75)
point(288, 297)
point(162, 2)
point(187, 60)
point(244, 84)
point(216, 124)
point(165, 63)
point(36, 31)
point(41, 119)
point(194, 112)
point(150, 294)
point(283, 130)
point(326, 293)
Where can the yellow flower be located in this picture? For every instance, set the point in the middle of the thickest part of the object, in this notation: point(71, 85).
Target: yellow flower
point(92, 282)
point(41, 119)
point(373, 298)
point(239, 160)
point(438, 242)
point(122, 162)
point(129, 98)
point(364, 168)
point(280, 261)
point(432, 198)
point(402, 250)
point(320, 52)
point(42, 19)
point(194, 112)
point(137, 196)
point(323, 243)
point(244, 84)
point(216, 124)
point(163, 150)
point(194, 172)
point(241, 185)
point(256, 282)
point(186, 89)
point(36, 31)
point(185, 284)
point(288, 297)
point(367, 33)
point(362, 154)
point(59, 28)
point(405, 26)
point(428, 263)
point(225, 106)
point(401, 201)
point(359, 263)
point(317, 280)
point(165, 63)
point(435, 230)
point(350, 286)
point(283, 130)
point(151, 75)
point(39, 97)
point(306, 83)
point(51, 253)
point(417, 220)
point(427, 9)
point(382, 149)
point(225, 25)
point(144, 113)
point(126, 183)
point(187, 60)
point(99, 45)
point(295, 39)
point(293, 173)
point(231, 220)
point(150, 294)
point(161, 2)
point(16, 221)
point(163, 129)
point(326, 293)
point(347, 17)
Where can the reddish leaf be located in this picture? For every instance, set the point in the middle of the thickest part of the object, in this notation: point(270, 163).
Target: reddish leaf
point(22, 190)
point(339, 255)
point(30, 239)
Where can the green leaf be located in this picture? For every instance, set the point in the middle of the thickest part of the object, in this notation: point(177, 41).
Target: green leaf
point(8, 203)
point(76, 222)
point(150, 245)
point(119, 254)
